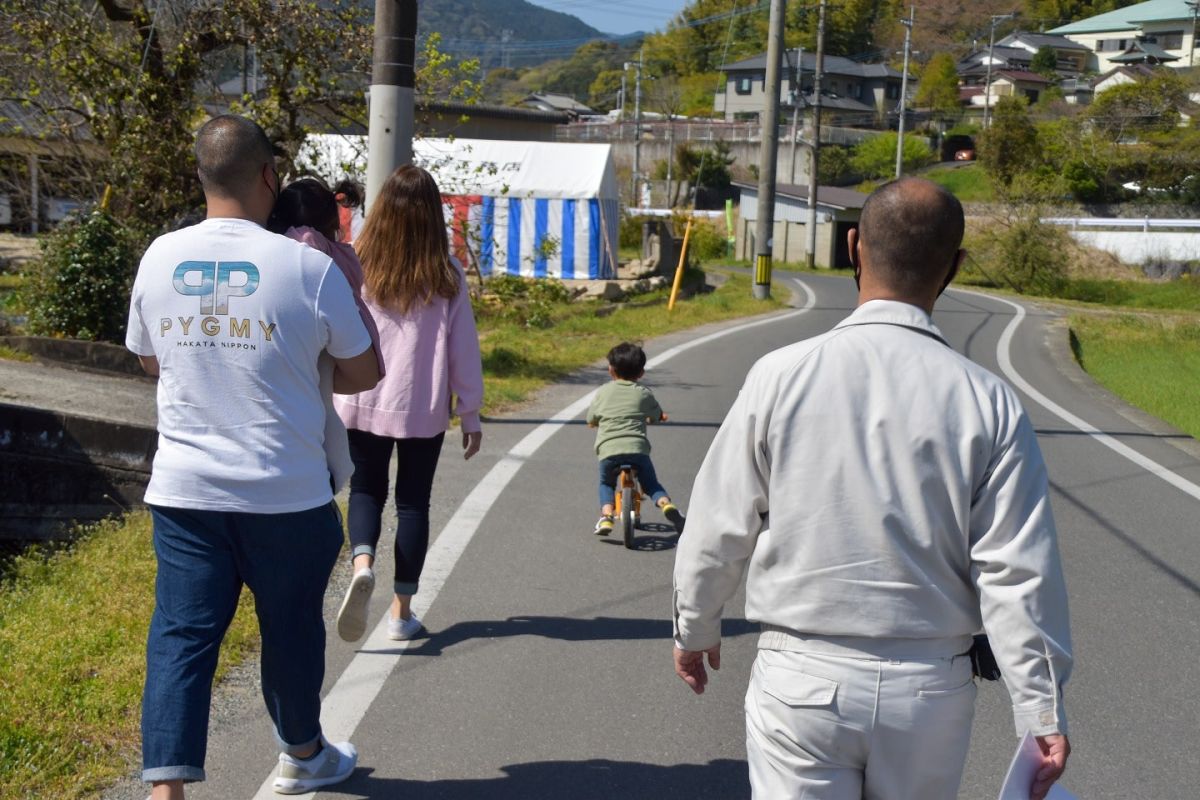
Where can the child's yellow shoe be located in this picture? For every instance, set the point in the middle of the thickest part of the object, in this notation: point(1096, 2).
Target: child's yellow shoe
point(673, 516)
point(604, 526)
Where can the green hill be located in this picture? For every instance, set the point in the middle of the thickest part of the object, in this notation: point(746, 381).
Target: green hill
point(480, 28)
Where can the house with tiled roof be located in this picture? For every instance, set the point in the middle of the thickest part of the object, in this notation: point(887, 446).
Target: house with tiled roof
point(852, 92)
point(1158, 31)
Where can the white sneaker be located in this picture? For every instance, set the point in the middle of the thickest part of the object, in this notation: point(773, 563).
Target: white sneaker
point(332, 765)
point(352, 616)
point(402, 630)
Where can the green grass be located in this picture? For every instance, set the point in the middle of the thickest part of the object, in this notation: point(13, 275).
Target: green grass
point(1150, 361)
point(73, 628)
point(968, 184)
point(11, 280)
point(10, 354)
point(518, 360)
point(1182, 294)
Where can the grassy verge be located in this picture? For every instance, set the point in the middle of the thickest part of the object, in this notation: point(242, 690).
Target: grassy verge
point(519, 359)
point(10, 354)
point(72, 648)
point(1150, 361)
point(969, 184)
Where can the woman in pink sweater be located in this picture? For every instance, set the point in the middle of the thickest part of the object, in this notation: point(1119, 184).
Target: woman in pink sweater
point(417, 294)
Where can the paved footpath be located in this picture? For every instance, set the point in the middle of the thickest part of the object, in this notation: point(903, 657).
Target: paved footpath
point(547, 671)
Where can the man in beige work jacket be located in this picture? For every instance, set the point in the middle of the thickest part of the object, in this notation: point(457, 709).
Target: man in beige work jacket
point(885, 498)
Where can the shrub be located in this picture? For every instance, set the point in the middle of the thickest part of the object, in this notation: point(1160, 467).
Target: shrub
point(707, 241)
point(79, 287)
point(876, 157)
point(629, 231)
point(1031, 255)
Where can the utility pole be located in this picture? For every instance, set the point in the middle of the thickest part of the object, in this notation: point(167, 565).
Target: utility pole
point(768, 156)
point(908, 26)
point(797, 97)
point(390, 132)
point(810, 248)
point(637, 125)
point(621, 105)
point(1194, 5)
point(987, 81)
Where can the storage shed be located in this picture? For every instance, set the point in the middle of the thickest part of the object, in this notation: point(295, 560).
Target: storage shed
point(838, 210)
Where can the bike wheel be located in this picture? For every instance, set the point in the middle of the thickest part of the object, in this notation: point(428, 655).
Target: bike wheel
point(627, 516)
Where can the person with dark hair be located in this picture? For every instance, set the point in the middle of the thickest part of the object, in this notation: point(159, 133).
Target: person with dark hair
point(233, 319)
point(350, 198)
point(620, 412)
point(417, 293)
point(308, 212)
point(885, 498)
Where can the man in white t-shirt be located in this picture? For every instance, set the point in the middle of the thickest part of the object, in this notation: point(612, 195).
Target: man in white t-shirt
point(232, 318)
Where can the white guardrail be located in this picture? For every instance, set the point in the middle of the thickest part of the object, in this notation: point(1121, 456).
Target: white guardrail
point(1145, 224)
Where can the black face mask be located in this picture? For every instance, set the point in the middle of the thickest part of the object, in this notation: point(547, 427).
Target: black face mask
point(275, 190)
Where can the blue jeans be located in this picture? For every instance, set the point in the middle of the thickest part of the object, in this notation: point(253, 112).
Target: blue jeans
point(416, 463)
point(204, 557)
point(611, 467)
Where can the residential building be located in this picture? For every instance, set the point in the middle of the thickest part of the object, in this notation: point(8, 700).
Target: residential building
point(1016, 52)
point(851, 93)
point(1158, 31)
point(559, 103)
point(1009, 83)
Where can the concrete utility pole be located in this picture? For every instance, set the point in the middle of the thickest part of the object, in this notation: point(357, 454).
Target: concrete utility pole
point(987, 81)
point(768, 156)
point(810, 247)
point(390, 132)
point(908, 25)
point(1194, 5)
point(637, 122)
point(797, 97)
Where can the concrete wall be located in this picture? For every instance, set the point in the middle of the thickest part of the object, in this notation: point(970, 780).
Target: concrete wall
point(744, 154)
point(56, 469)
point(1138, 247)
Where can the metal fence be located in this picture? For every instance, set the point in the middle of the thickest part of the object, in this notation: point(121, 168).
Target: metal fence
point(700, 131)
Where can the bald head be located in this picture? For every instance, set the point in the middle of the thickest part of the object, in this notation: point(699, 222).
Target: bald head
point(231, 152)
point(910, 231)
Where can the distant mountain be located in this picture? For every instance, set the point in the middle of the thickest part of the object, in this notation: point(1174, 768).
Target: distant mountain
point(502, 32)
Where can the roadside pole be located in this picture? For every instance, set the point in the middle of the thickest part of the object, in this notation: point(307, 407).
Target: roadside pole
point(810, 248)
point(797, 97)
point(908, 26)
point(768, 156)
point(390, 131)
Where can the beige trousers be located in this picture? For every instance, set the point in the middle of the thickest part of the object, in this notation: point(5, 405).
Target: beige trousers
point(848, 727)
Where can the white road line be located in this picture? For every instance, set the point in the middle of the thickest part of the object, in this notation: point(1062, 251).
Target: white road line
point(358, 686)
point(1003, 355)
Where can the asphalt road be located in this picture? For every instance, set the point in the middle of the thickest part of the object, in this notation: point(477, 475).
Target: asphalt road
point(547, 671)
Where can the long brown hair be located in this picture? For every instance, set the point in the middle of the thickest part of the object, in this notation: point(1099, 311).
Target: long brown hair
point(403, 246)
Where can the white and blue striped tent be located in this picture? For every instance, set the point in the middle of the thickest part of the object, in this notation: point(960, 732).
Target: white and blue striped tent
point(538, 209)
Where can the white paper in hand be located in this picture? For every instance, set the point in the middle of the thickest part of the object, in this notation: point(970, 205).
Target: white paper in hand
point(1023, 769)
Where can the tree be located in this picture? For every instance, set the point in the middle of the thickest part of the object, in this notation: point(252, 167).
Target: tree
point(1010, 145)
point(938, 88)
point(1045, 62)
point(135, 79)
point(876, 157)
point(604, 91)
point(1132, 109)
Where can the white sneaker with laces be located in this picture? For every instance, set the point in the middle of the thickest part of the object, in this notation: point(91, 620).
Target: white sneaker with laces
point(333, 764)
point(352, 616)
point(402, 630)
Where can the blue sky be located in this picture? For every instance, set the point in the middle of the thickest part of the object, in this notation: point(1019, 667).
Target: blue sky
point(618, 16)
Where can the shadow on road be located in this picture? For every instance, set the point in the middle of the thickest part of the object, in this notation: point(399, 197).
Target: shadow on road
point(565, 629)
point(595, 779)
